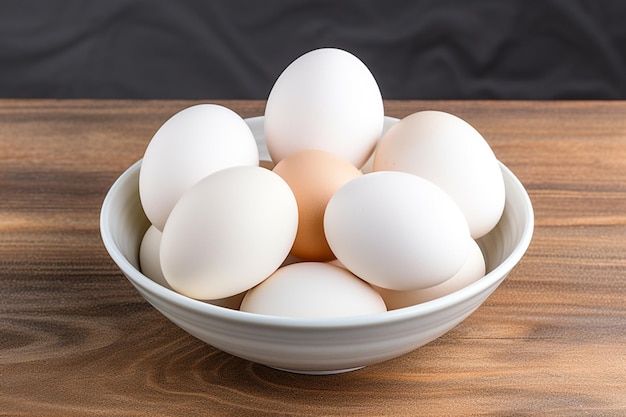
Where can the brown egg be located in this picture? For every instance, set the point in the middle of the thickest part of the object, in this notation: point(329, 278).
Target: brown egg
point(314, 176)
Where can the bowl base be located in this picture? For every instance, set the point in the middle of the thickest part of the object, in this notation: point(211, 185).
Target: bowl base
point(324, 372)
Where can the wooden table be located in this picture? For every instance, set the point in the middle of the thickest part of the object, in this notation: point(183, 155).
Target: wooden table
point(77, 340)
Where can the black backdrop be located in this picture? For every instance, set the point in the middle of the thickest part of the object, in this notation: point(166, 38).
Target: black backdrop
point(203, 49)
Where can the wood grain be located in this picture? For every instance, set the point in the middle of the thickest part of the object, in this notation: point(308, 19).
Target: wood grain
point(77, 340)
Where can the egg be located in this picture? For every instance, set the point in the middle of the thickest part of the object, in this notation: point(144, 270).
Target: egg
point(314, 176)
point(193, 143)
point(313, 290)
point(149, 259)
point(396, 230)
point(326, 99)
point(150, 262)
point(472, 270)
point(228, 232)
point(449, 152)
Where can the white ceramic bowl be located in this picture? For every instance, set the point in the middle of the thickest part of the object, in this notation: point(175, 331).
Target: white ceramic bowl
point(313, 346)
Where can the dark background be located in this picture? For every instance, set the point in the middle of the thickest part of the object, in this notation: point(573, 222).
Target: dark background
point(428, 49)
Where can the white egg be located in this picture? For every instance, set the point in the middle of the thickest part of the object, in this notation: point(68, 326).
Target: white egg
point(193, 143)
point(313, 290)
point(451, 153)
point(327, 99)
point(150, 262)
point(228, 233)
point(471, 271)
point(397, 230)
point(149, 259)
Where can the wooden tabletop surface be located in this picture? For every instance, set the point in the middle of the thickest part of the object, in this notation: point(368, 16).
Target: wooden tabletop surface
point(77, 340)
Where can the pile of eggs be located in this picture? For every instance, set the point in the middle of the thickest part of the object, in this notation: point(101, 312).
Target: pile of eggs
point(348, 220)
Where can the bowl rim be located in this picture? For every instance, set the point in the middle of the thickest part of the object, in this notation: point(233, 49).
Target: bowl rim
point(137, 279)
